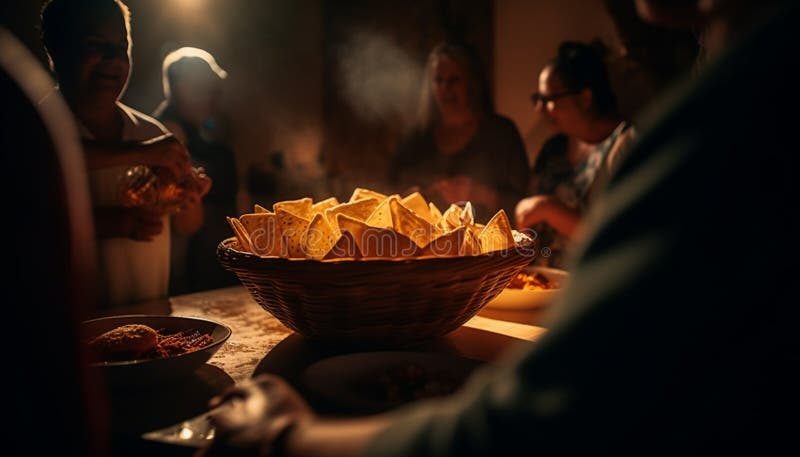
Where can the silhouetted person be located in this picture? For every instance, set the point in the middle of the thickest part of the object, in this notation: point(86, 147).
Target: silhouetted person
point(650, 57)
point(636, 359)
point(48, 268)
point(575, 95)
point(191, 111)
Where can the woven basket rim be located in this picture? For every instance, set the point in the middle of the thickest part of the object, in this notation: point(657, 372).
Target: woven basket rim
point(394, 301)
point(525, 243)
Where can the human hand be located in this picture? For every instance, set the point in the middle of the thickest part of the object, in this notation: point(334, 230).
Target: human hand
point(168, 153)
point(196, 188)
point(255, 416)
point(531, 210)
point(140, 224)
point(201, 181)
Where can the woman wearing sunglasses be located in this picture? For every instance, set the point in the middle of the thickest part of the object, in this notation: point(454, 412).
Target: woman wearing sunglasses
point(576, 97)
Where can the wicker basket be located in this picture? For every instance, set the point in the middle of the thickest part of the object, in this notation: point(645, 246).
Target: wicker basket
point(381, 301)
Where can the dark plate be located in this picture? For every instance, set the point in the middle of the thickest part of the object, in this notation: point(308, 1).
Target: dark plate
point(374, 382)
point(146, 372)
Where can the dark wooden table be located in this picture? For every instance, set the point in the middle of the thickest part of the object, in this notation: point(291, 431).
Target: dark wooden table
point(261, 344)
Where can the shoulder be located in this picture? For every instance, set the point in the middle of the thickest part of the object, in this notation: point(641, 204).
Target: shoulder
point(140, 124)
point(621, 146)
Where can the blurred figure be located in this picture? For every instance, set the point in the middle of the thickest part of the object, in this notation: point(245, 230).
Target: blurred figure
point(651, 57)
point(49, 267)
point(191, 111)
point(575, 95)
point(635, 360)
point(461, 150)
point(88, 43)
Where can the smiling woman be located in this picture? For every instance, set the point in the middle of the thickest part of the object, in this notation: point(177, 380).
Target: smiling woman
point(88, 43)
point(461, 149)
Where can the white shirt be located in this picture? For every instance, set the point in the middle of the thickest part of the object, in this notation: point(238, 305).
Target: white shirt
point(130, 271)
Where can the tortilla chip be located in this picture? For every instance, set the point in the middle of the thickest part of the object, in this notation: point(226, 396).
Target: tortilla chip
point(436, 215)
point(301, 207)
point(241, 234)
point(319, 238)
point(451, 219)
point(292, 229)
point(260, 209)
point(360, 209)
point(361, 193)
point(471, 244)
point(262, 228)
point(497, 235)
point(416, 202)
point(381, 217)
point(467, 214)
point(407, 222)
point(447, 245)
point(345, 248)
point(252, 221)
point(320, 207)
point(378, 242)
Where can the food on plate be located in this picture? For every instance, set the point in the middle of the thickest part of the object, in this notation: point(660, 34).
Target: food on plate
point(535, 281)
point(124, 340)
point(407, 382)
point(369, 225)
point(137, 341)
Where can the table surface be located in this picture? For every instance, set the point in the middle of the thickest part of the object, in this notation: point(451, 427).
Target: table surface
point(261, 344)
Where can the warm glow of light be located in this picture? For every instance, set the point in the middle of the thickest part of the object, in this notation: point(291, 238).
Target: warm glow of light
point(186, 433)
point(191, 5)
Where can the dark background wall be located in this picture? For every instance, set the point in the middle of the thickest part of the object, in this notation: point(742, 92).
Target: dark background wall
point(320, 90)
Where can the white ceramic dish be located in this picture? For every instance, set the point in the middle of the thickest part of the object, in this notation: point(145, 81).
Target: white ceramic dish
point(517, 299)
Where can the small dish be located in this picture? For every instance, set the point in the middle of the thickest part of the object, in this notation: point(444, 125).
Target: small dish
point(519, 299)
point(147, 371)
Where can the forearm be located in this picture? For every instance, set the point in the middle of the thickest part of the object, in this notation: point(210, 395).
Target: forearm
point(334, 438)
point(562, 218)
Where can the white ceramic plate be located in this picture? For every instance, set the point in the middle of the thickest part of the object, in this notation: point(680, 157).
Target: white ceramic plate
point(372, 382)
point(530, 299)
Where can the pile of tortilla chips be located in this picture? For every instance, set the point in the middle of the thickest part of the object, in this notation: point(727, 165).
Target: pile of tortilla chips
point(369, 225)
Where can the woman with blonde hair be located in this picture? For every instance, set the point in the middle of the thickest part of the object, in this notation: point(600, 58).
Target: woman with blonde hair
point(461, 149)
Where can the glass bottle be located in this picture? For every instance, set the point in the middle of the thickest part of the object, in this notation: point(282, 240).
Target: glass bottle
point(142, 187)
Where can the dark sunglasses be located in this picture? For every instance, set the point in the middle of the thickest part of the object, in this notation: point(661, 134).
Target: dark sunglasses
point(537, 98)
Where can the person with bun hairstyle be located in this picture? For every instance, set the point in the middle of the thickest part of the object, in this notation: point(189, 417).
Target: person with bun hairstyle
point(574, 94)
point(193, 111)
